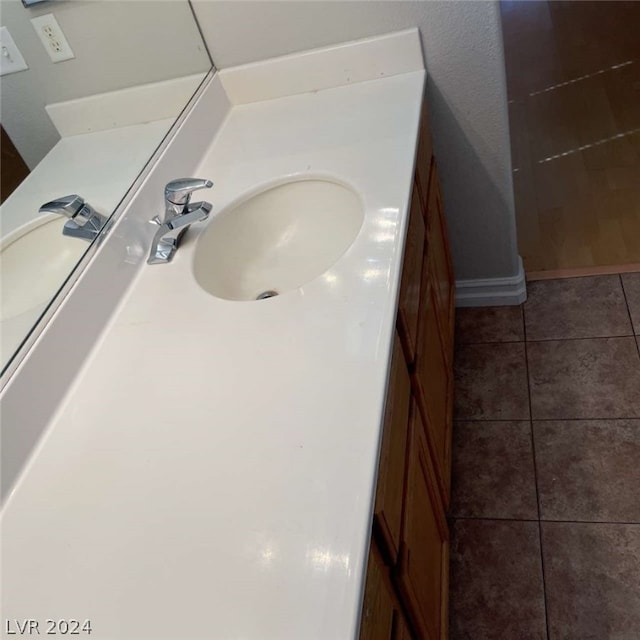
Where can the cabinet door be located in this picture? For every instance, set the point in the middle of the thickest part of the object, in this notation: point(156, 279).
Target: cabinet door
point(424, 156)
point(424, 541)
point(391, 470)
point(442, 272)
point(378, 604)
point(433, 383)
point(409, 302)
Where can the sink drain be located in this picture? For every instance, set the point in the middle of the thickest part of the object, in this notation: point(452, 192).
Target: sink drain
point(266, 294)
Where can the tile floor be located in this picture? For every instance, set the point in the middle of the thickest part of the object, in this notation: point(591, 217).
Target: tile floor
point(545, 508)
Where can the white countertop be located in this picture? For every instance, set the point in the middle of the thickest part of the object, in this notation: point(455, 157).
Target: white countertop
point(211, 474)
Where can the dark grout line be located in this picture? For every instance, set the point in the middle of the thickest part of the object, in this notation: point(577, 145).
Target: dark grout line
point(452, 517)
point(491, 420)
point(632, 523)
point(626, 301)
point(535, 479)
point(543, 419)
point(625, 335)
point(544, 521)
point(471, 344)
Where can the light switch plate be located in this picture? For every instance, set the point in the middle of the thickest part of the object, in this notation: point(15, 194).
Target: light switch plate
point(52, 37)
point(11, 59)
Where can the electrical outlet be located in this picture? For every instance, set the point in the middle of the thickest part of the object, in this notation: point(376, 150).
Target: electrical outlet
point(11, 59)
point(52, 38)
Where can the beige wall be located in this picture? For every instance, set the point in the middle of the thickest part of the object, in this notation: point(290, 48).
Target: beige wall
point(462, 42)
point(117, 44)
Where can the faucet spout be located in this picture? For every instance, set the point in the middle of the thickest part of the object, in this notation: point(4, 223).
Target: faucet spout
point(167, 239)
point(195, 212)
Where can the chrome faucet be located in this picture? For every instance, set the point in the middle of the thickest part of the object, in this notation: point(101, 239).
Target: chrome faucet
point(84, 221)
point(179, 214)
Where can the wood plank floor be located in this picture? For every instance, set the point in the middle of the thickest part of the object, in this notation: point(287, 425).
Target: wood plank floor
point(573, 81)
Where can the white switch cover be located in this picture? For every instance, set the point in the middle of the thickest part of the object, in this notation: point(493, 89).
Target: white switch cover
point(11, 59)
point(52, 38)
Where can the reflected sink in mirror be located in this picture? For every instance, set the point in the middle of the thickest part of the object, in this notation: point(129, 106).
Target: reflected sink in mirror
point(87, 125)
point(34, 261)
point(277, 240)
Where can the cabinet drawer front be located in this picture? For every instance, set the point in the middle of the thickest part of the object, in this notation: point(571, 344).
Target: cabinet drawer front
point(424, 539)
point(390, 487)
point(409, 303)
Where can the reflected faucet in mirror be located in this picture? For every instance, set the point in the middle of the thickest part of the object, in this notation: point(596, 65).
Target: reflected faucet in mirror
point(84, 221)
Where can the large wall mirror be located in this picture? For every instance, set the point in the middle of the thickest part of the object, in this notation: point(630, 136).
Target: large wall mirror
point(89, 89)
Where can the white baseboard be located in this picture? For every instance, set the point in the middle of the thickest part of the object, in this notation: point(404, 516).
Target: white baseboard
point(492, 292)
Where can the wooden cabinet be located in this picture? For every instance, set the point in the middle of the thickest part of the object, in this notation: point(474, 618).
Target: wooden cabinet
point(433, 382)
point(441, 269)
point(433, 369)
point(407, 581)
point(409, 302)
point(378, 604)
point(382, 614)
point(424, 539)
point(387, 520)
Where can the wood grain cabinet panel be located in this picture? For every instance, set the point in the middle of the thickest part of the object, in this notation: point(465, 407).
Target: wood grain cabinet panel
point(442, 272)
point(378, 604)
point(401, 630)
point(391, 471)
point(424, 540)
point(433, 383)
point(409, 302)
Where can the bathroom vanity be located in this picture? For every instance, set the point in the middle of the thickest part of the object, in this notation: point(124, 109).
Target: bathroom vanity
point(407, 575)
point(207, 464)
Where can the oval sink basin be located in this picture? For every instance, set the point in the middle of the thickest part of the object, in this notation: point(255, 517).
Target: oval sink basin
point(35, 265)
point(278, 240)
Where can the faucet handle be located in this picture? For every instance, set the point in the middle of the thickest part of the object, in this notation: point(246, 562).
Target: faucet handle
point(69, 206)
point(179, 191)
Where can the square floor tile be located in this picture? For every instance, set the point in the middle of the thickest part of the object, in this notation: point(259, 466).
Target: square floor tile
point(492, 471)
point(489, 324)
point(592, 579)
point(591, 307)
point(496, 581)
point(631, 282)
point(589, 470)
point(491, 382)
point(596, 378)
